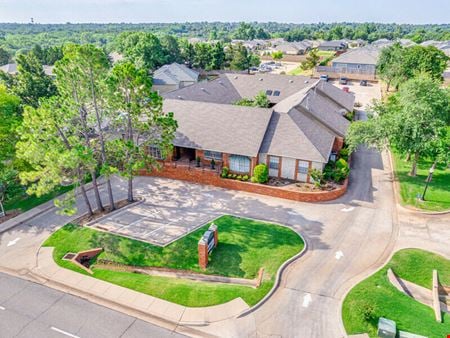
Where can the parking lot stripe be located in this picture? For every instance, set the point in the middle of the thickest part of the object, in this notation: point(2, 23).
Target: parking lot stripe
point(64, 332)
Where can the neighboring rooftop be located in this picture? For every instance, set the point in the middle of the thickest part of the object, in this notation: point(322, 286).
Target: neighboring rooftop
point(11, 69)
point(364, 55)
point(174, 74)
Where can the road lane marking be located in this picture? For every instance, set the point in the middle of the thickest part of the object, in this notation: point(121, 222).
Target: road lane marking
point(306, 299)
point(339, 254)
point(13, 242)
point(64, 332)
point(348, 209)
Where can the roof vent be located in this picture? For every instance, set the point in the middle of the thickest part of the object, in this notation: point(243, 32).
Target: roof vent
point(220, 81)
point(260, 79)
point(180, 97)
point(306, 81)
point(235, 77)
point(203, 89)
point(291, 81)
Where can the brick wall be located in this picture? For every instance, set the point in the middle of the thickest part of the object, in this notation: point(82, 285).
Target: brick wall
point(338, 144)
point(212, 178)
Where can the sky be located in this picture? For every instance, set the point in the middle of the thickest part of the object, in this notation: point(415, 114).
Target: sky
point(296, 11)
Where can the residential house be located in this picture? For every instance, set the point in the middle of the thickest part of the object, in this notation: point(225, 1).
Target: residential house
point(335, 45)
point(362, 60)
point(172, 77)
point(294, 48)
point(11, 69)
point(301, 130)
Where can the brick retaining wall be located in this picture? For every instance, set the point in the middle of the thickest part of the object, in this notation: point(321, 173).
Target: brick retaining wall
point(212, 178)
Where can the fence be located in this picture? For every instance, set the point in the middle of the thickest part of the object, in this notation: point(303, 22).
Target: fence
point(355, 74)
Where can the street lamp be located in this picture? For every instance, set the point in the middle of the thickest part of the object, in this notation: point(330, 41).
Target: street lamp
point(428, 180)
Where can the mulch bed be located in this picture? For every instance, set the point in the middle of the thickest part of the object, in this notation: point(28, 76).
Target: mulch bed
point(10, 214)
point(83, 220)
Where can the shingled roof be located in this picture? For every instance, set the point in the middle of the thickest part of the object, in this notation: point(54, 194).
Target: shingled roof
point(219, 127)
point(174, 74)
point(365, 56)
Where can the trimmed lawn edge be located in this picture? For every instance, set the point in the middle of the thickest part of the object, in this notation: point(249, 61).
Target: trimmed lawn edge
point(368, 275)
point(278, 276)
point(398, 197)
point(266, 294)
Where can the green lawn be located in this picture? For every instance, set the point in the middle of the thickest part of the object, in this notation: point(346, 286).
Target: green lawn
point(27, 202)
point(375, 297)
point(244, 246)
point(437, 197)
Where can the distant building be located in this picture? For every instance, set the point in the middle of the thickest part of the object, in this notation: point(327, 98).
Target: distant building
point(335, 45)
point(294, 48)
point(11, 69)
point(172, 77)
point(359, 59)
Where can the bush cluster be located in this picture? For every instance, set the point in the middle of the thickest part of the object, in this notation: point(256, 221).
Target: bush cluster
point(226, 174)
point(260, 174)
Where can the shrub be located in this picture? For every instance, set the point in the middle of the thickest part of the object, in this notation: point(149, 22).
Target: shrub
point(230, 175)
point(341, 170)
point(245, 178)
point(239, 177)
point(317, 176)
point(260, 174)
point(344, 154)
point(235, 176)
point(225, 172)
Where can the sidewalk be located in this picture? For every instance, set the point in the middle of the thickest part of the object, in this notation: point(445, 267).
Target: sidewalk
point(50, 272)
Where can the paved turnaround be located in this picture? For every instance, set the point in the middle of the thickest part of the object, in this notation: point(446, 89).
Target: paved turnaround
point(347, 239)
point(32, 310)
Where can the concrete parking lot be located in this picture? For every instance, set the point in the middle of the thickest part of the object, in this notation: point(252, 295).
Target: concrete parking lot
point(363, 94)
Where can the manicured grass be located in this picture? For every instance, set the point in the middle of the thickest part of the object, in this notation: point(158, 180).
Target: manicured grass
point(300, 71)
point(437, 197)
point(27, 202)
point(375, 297)
point(244, 246)
point(326, 53)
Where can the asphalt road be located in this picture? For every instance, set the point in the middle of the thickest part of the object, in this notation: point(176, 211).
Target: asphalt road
point(31, 310)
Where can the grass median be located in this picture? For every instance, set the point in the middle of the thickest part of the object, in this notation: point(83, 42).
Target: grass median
point(376, 297)
point(438, 194)
point(244, 247)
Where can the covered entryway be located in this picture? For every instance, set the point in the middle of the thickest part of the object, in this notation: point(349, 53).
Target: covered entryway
point(184, 154)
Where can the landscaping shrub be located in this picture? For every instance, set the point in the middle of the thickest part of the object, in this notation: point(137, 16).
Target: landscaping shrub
point(341, 170)
point(235, 176)
point(225, 172)
point(245, 178)
point(230, 175)
point(344, 154)
point(239, 178)
point(260, 174)
point(317, 176)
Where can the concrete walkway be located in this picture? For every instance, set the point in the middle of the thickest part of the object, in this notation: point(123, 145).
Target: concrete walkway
point(50, 272)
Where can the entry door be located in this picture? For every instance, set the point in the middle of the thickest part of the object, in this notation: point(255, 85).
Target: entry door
point(302, 171)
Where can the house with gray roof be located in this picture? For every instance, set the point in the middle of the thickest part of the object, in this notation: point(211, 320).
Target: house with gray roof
point(334, 45)
point(304, 126)
point(174, 76)
point(359, 59)
point(11, 69)
point(294, 48)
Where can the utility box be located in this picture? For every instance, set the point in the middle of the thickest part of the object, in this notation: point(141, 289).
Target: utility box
point(386, 328)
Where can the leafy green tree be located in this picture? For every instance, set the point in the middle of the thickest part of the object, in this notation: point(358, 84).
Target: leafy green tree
point(203, 55)
point(245, 31)
point(31, 82)
point(144, 49)
point(312, 60)
point(242, 59)
point(54, 152)
point(217, 57)
point(4, 56)
point(390, 67)
point(277, 55)
point(187, 52)
point(171, 48)
point(140, 120)
point(414, 121)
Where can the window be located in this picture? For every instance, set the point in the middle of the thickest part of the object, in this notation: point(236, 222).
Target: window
point(276, 93)
point(303, 167)
point(155, 152)
point(274, 162)
point(268, 92)
point(239, 164)
point(212, 155)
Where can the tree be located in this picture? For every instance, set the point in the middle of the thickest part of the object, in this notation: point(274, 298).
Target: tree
point(261, 100)
point(277, 55)
point(141, 122)
point(203, 55)
point(187, 52)
point(242, 59)
point(4, 56)
point(54, 152)
point(31, 82)
point(217, 57)
point(144, 49)
point(413, 121)
point(312, 60)
point(171, 49)
point(390, 66)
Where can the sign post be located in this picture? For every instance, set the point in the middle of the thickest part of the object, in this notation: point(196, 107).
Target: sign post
point(206, 244)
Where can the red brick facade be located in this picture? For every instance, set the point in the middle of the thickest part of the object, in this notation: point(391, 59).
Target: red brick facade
point(338, 144)
point(212, 178)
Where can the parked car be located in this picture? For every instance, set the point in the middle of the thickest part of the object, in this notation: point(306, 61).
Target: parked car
point(343, 81)
point(324, 78)
point(346, 89)
point(363, 83)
